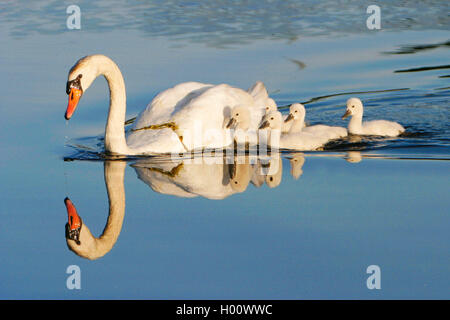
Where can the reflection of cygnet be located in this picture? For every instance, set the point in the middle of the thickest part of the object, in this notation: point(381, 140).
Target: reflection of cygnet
point(353, 156)
point(375, 127)
point(258, 177)
point(240, 174)
point(297, 162)
point(274, 172)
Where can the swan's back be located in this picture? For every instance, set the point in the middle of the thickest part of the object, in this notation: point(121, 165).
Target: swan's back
point(382, 128)
point(302, 141)
point(210, 106)
point(161, 108)
point(331, 132)
point(204, 116)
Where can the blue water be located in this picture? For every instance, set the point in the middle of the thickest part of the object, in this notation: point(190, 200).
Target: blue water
point(310, 233)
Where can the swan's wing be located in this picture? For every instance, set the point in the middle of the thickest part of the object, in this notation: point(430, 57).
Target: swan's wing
point(259, 93)
point(260, 96)
point(154, 141)
point(203, 116)
point(161, 108)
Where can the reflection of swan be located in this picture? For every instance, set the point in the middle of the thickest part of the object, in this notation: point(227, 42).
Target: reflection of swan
point(206, 177)
point(295, 141)
point(353, 156)
point(177, 119)
point(78, 236)
point(297, 115)
point(375, 127)
point(297, 161)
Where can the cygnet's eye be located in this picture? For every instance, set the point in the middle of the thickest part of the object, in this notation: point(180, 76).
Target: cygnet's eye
point(296, 111)
point(353, 106)
point(237, 114)
point(271, 118)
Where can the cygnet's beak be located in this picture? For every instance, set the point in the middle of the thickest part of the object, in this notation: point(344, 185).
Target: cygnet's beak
point(231, 123)
point(346, 114)
point(264, 125)
point(289, 117)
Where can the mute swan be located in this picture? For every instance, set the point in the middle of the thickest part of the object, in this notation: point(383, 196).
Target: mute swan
point(188, 116)
point(78, 236)
point(375, 127)
point(297, 114)
point(302, 141)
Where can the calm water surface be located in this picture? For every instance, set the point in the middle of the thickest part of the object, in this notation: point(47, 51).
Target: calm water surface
point(309, 229)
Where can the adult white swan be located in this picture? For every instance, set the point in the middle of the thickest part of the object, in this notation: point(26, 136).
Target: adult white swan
point(375, 127)
point(188, 116)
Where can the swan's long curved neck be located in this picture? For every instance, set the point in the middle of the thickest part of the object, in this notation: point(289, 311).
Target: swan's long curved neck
point(355, 124)
point(115, 141)
point(297, 124)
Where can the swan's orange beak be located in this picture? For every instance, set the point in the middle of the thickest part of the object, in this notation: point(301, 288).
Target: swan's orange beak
point(74, 97)
point(73, 217)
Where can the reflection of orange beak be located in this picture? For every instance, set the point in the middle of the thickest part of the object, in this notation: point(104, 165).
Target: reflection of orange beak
point(74, 97)
point(73, 217)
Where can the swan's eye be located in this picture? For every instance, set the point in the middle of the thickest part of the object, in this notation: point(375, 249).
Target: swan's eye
point(75, 83)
